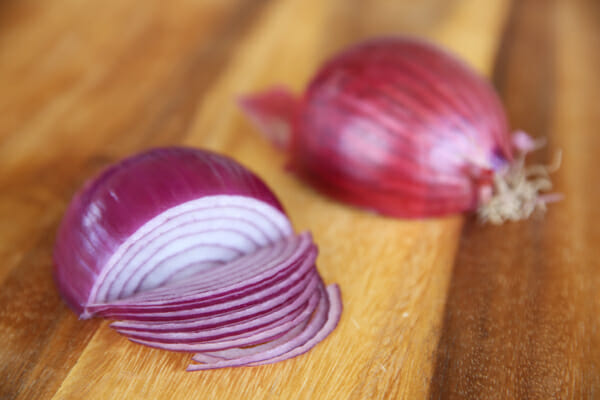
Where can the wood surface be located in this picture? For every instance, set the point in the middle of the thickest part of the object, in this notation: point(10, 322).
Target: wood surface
point(441, 308)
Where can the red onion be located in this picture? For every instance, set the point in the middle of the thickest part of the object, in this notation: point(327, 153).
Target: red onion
point(190, 251)
point(401, 127)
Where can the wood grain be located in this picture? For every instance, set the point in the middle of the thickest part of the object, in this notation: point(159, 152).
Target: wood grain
point(513, 314)
point(521, 318)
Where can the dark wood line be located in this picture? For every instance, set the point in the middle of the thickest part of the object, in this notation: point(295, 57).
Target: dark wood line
point(488, 345)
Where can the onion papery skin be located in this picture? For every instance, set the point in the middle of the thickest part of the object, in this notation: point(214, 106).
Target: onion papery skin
point(395, 125)
point(189, 251)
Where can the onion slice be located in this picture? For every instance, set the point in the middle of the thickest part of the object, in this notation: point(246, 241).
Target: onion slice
point(189, 251)
point(298, 341)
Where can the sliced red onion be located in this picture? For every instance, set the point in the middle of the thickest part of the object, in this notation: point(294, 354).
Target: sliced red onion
point(262, 270)
point(274, 295)
point(299, 334)
point(283, 310)
point(278, 292)
point(335, 311)
point(115, 284)
point(229, 357)
point(267, 333)
point(297, 341)
point(225, 330)
point(191, 252)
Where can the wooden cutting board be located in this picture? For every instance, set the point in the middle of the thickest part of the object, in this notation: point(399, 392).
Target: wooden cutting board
point(440, 308)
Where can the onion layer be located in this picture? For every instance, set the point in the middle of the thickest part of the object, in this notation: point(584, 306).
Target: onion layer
point(189, 251)
point(401, 127)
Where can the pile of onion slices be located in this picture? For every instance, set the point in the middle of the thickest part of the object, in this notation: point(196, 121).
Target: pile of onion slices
point(189, 251)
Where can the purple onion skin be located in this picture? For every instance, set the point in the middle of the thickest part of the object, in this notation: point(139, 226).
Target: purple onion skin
point(109, 208)
point(395, 125)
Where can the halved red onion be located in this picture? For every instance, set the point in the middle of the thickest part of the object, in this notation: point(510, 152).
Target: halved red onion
point(401, 127)
point(192, 252)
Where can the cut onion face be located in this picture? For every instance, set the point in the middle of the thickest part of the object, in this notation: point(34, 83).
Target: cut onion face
point(189, 251)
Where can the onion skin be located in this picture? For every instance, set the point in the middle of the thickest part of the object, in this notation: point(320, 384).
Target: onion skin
point(394, 125)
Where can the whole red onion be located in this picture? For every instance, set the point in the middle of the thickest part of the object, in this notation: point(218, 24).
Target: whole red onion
point(401, 127)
